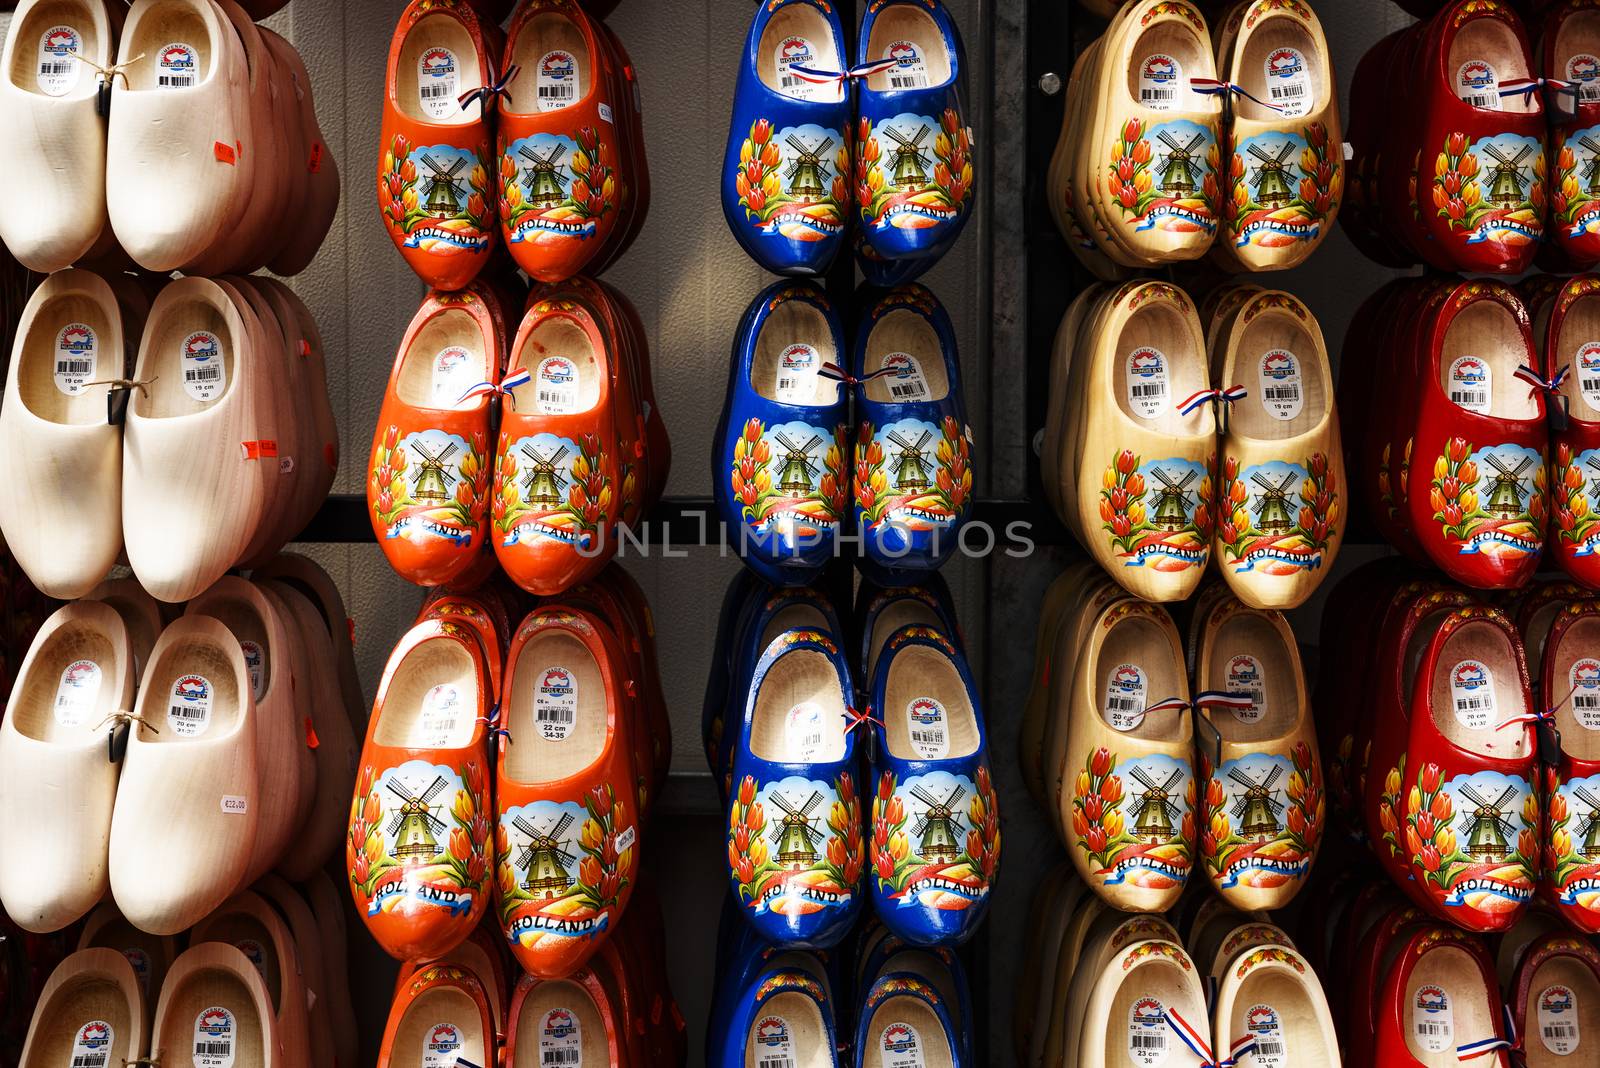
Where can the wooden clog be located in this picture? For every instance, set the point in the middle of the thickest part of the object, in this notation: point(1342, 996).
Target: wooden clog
point(61, 527)
point(215, 1005)
point(1555, 999)
point(1062, 352)
point(1438, 1004)
point(1368, 964)
point(1568, 38)
point(71, 689)
point(57, 135)
point(249, 924)
point(483, 954)
point(1367, 123)
point(1230, 940)
point(1040, 995)
point(306, 575)
point(149, 955)
point(1131, 830)
point(1570, 342)
point(1093, 596)
point(1281, 481)
point(1150, 996)
point(91, 1012)
point(308, 947)
point(140, 613)
point(1570, 790)
point(1108, 933)
point(1270, 1004)
point(273, 415)
point(299, 431)
point(318, 458)
point(1083, 171)
point(1218, 310)
point(321, 200)
point(906, 1018)
point(1059, 182)
point(327, 905)
point(1035, 718)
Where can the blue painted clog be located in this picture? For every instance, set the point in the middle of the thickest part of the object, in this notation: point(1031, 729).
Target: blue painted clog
point(882, 610)
point(913, 454)
point(881, 273)
point(742, 954)
point(935, 843)
point(782, 1016)
point(795, 848)
point(938, 966)
point(905, 1020)
point(913, 148)
point(780, 464)
point(786, 173)
point(745, 587)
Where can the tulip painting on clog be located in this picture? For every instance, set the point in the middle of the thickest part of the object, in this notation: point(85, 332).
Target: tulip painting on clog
point(913, 485)
point(792, 186)
point(1157, 513)
point(1575, 501)
point(792, 487)
point(1263, 817)
point(1572, 841)
point(1285, 186)
point(551, 493)
point(1491, 190)
point(1135, 819)
point(1279, 517)
point(563, 867)
point(1165, 177)
point(1472, 842)
point(935, 839)
point(430, 485)
point(558, 191)
point(1489, 500)
point(913, 172)
point(1575, 200)
point(437, 198)
point(419, 841)
point(796, 848)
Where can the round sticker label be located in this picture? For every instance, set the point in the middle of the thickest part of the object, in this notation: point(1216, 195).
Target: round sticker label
point(1589, 374)
point(558, 80)
point(1271, 1051)
point(1288, 81)
point(1472, 694)
point(1245, 675)
point(902, 1046)
point(802, 731)
point(255, 663)
point(1584, 679)
point(1148, 395)
point(557, 385)
point(177, 66)
point(1478, 85)
point(796, 51)
point(77, 354)
point(1432, 1022)
point(1583, 71)
point(929, 727)
point(561, 1039)
point(1160, 75)
point(253, 953)
point(555, 705)
point(1558, 1020)
point(907, 382)
point(76, 693)
point(1125, 697)
point(1471, 384)
point(203, 372)
point(797, 374)
point(57, 74)
point(1281, 394)
point(189, 706)
point(774, 1043)
point(442, 712)
point(441, 1049)
point(215, 1033)
point(139, 960)
point(911, 68)
point(91, 1046)
point(1148, 1032)
point(454, 374)
point(438, 83)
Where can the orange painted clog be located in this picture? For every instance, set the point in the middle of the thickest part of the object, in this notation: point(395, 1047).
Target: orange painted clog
point(441, 1017)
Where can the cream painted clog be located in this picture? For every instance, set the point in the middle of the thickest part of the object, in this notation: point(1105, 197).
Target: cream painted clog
point(61, 523)
point(140, 613)
point(1218, 311)
point(302, 924)
point(57, 776)
point(1092, 597)
point(1281, 485)
point(177, 175)
point(1150, 997)
point(310, 226)
point(184, 827)
point(1129, 812)
point(1059, 398)
point(1110, 933)
point(150, 955)
point(1059, 187)
point(1225, 942)
point(274, 415)
point(1270, 1006)
point(1035, 709)
point(91, 1013)
point(249, 924)
point(262, 632)
point(193, 464)
point(1083, 172)
point(1263, 799)
point(216, 1007)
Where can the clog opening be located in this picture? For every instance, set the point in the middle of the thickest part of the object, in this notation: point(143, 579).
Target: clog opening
point(433, 699)
point(195, 1004)
point(1476, 687)
point(1219, 323)
point(445, 359)
point(176, 44)
point(1493, 42)
point(1136, 667)
point(151, 955)
point(242, 617)
point(900, 612)
point(444, 1016)
point(1577, 346)
point(791, 1023)
point(72, 342)
point(932, 969)
point(1158, 366)
point(798, 34)
point(1284, 1017)
point(1411, 659)
point(799, 713)
point(1486, 332)
point(438, 42)
point(1578, 38)
point(186, 359)
point(558, 709)
point(903, 1031)
point(795, 342)
point(70, 688)
point(926, 711)
point(566, 369)
point(911, 35)
point(1575, 690)
point(789, 617)
point(1459, 1010)
point(1563, 1014)
point(81, 1001)
point(1286, 372)
point(1281, 42)
point(189, 693)
point(1163, 59)
point(907, 342)
point(1536, 627)
point(1153, 985)
point(545, 45)
point(250, 936)
point(1248, 655)
point(38, 62)
point(1532, 925)
point(559, 1017)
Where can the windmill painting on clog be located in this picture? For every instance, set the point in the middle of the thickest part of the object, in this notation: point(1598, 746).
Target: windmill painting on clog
point(1570, 786)
point(913, 166)
point(780, 476)
point(1569, 45)
point(913, 454)
point(434, 190)
point(1571, 344)
point(786, 173)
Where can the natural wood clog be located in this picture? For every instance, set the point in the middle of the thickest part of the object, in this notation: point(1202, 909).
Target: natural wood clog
point(72, 686)
point(1233, 936)
point(1131, 828)
point(140, 613)
point(328, 905)
point(1150, 996)
point(1281, 481)
point(308, 947)
point(1059, 187)
point(1217, 313)
point(249, 924)
point(321, 202)
point(1057, 403)
point(1032, 985)
point(215, 1006)
point(149, 955)
point(92, 1012)
point(317, 458)
point(1059, 973)
point(307, 575)
point(1083, 172)
point(1108, 934)
point(1270, 1005)
point(57, 137)
point(274, 415)
point(1031, 735)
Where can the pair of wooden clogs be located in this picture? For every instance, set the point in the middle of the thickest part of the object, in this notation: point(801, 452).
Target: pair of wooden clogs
point(1133, 462)
point(536, 129)
point(172, 816)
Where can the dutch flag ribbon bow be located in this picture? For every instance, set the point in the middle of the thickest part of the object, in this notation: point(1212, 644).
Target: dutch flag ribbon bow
point(1231, 395)
point(828, 77)
point(1213, 87)
point(499, 89)
point(1171, 704)
point(520, 377)
point(1194, 1040)
point(1223, 699)
point(1526, 87)
point(1537, 381)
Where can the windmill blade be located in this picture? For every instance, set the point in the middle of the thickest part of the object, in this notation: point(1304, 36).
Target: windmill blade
point(435, 164)
point(1475, 797)
point(1504, 825)
point(813, 443)
point(563, 856)
point(433, 789)
point(1276, 806)
point(776, 832)
point(1523, 466)
point(394, 824)
point(1170, 810)
point(559, 454)
point(1264, 484)
point(922, 795)
point(1592, 462)
point(448, 451)
point(898, 137)
point(533, 454)
point(784, 803)
point(1589, 143)
point(811, 837)
point(922, 825)
point(555, 154)
point(1163, 478)
point(1194, 143)
point(827, 143)
point(435, 824)
point(1520, 156)
point(1239, 806)
point(922, 132)
point(1144, 779)
point(1236, 776)
point(400, 791)
point(794, 142)
point(526, 151)
point(1272, 776)
point(788, 444)
point(955, 796)
point(455, 167)
point(1506, 795)
point(894, 436)
point(1283, 153)
point(1172, 780)
point(811, 802)
point(923, 440)
point(1495, 152)
point(1255, 150)
point(794, 168)
point(1586, 797)
point(561, 825)
point(808, 465)
point(1167, 140)
point(1186, 479)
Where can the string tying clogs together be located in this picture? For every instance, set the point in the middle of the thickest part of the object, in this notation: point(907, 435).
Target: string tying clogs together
point(107, 75)
point(520, 377)
point(834, 372)
point(1192, 1038)
point(1227, 90)
point(860, 717)
point(830, 77)
point(498, 89)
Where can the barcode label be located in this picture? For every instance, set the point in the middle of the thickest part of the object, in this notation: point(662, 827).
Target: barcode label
point(1469, 398)
point(908, 382)
point(911, 68)
point(1584, 678)
point(1424, 1028)
point(1149, 389)
point(796, 51)
point(1247, 675)
point(434, 91)
point(1288, 92)
point(1288, 80)
point(1125, 697)
point(175, 81)
point(1154, 1041)
point(91, 1045)
point(1589, 385)
point(202, 374)
point(1153, 96)
point(46, 69)
point(1279, 378)
point(90, 1060)
point(1268, 1047)
point(58, 68)
point(557, 83)
point(1122, 704)
point(555, 705)
point(1559, 1015)
point(184, 712)
point(214, 1031)
point(189, 705)
point(561, 1056)
point(438, 82)
point(1147, 382)
point(905, 391)
point(213, 1049)
point(73, 367)
point(1160, 75)
point(1558, 1031)
point(791, 81)
point(1472, 694)
point(563, 93)
point(557, 389)
point(555, 715)
point(1483, 100)
point(1585, 700)
point(203, 367)
point(776, 1061)
point(1282, 392)
point(907, 81)
point(927, 724)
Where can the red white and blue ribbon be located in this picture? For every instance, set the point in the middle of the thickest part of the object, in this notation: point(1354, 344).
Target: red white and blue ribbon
point(833, 371)
point(499, 89)
point(500, 734)
point(1213, 87)
point(1241, 1046)
point(1171, 704)
point(1192, 1038)
point(1469, 1051)
point(1223, 699)
point(1525, 87)
point(1538, 381)
point(858, 717)
point(520, 377)
point(1231, 395)
point(832, 77)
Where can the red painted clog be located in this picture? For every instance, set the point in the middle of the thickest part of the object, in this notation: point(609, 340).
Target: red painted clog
point(1569, 54)
point(1571, 787)
point(1439, 1004)
point(1554, 1000)
point(1572, 344)
point(441, 1017)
